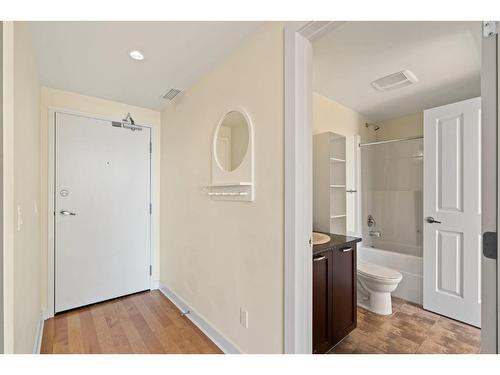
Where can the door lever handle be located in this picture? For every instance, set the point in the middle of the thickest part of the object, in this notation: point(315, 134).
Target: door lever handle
point(431, 220)
point(67, 213)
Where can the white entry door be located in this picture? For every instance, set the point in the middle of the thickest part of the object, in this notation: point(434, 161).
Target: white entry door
point(102, 211)
point(452, 210)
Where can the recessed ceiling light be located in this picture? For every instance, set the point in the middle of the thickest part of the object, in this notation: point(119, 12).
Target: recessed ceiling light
point(136, 55)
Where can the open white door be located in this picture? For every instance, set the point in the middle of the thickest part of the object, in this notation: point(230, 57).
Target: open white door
point(102, 211)
point(452, 210)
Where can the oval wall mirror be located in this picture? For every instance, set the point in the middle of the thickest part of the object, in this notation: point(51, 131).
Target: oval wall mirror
point(231, 141)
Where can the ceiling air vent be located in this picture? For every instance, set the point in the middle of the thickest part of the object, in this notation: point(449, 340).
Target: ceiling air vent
point(395, 81)
point(171, 94)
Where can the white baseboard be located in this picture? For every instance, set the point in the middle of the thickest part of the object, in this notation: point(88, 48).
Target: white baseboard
point(222, 342)
point(38, 337)
point(46, 314)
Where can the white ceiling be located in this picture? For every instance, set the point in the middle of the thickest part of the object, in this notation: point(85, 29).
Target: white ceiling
point(92, 58)
point(445, 57)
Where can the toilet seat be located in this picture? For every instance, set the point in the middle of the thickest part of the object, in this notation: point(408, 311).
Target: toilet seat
point(376, 272)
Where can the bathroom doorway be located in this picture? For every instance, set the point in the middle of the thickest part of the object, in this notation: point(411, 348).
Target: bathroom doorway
point(340, 113)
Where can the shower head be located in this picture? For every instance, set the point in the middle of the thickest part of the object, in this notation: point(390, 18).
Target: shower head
point(375, 126)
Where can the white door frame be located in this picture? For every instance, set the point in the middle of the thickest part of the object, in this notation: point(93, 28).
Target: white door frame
point(49, 313)
point(497, 40)
point(298, 182)
point(490, 316)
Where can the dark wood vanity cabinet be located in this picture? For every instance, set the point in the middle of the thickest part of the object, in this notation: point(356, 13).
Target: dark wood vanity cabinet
point(334, 292)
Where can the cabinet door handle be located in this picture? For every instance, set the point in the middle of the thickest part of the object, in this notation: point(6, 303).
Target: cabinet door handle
point(319, 258)
point(346, 249)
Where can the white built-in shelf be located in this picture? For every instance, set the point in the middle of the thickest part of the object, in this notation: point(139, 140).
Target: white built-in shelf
point(329, 187)
point(337, 216)
point(336, 160)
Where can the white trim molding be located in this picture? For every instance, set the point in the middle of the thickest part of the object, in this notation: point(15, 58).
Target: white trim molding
point(298, 194)
point(155, 284)
point(37, 346)
point(198, 320)
point(298, 182)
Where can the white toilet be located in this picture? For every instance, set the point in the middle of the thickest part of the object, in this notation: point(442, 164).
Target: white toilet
point(375, 285)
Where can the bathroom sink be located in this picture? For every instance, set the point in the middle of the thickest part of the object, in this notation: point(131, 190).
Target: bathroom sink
point(320, 238)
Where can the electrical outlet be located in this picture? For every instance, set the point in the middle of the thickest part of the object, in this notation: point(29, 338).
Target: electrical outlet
point(243, 317)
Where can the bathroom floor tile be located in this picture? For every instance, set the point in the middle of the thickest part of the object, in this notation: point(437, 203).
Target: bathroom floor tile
point(409, 329)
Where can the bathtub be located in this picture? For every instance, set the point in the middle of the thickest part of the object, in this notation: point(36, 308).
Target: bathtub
point(411, 267)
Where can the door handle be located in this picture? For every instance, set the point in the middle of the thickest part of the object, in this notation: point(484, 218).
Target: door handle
point(431, 220)
point(67, 213)
point(319, 258)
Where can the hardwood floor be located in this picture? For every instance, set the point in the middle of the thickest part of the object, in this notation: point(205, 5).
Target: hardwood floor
point(410, 329)
point(140, 323)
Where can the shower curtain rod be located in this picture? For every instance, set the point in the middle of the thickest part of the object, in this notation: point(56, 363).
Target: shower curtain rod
point(390, 141)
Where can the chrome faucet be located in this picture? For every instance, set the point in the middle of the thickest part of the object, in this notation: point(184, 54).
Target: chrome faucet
point(371, 223)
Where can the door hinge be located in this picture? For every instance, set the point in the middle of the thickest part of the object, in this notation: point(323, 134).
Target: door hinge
point(490, 28)
point(150, 147)
point(150, 208)
point(150, 270)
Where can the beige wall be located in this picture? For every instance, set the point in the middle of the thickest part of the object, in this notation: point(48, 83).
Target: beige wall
point(21, 136)
point(328, 115)
point(57, 99)
point(219, 256)
point(401, 127)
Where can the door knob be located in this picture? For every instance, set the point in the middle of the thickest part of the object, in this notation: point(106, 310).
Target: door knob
point(431, 220)
point(67, 213)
